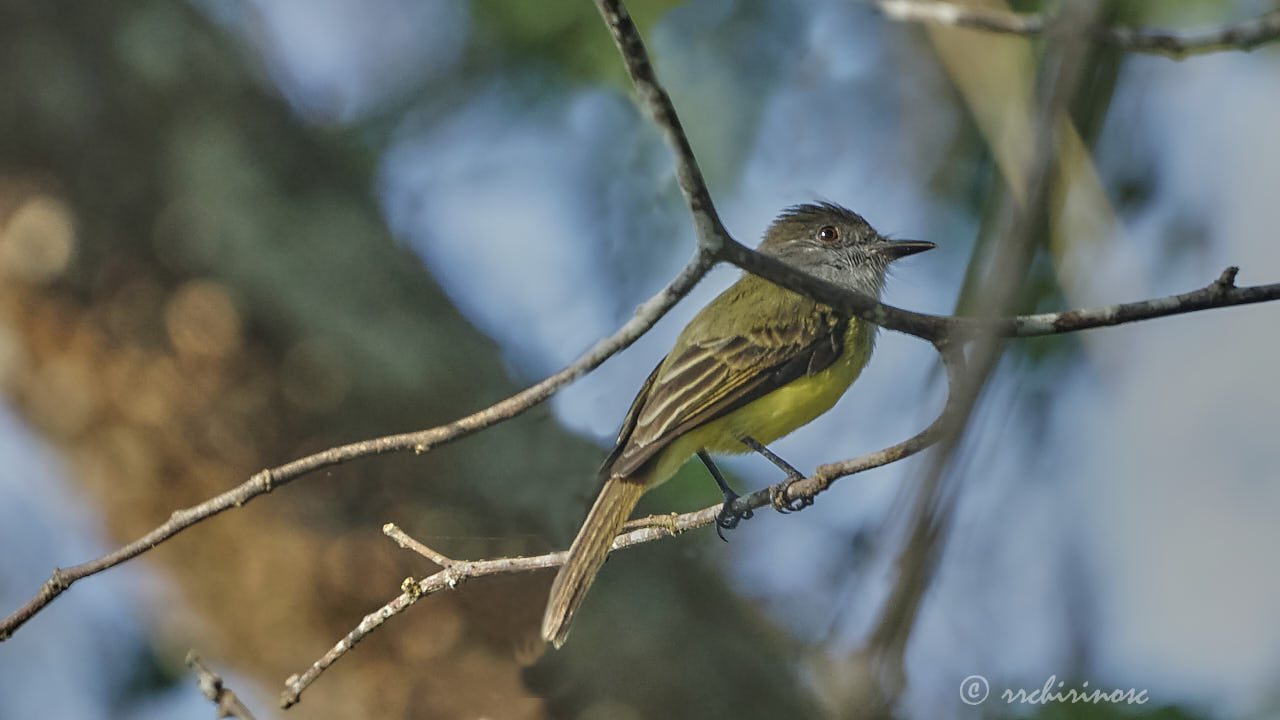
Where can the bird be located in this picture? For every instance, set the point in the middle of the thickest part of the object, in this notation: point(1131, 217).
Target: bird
point(756, 363)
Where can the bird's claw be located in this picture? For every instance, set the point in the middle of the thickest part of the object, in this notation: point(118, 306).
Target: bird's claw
point(784, 506)
point(728, 518)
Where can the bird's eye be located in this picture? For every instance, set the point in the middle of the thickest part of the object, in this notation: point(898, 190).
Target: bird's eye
point(829, 234)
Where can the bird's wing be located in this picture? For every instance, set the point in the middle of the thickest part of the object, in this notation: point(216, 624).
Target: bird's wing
point(629, 422)
point(711, 378)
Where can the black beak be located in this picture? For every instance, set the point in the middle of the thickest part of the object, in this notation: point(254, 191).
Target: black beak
point(894, 249)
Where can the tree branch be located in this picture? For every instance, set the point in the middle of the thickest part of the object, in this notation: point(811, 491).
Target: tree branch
point(711, 233)
point(454, 572)
point(212, 687)
point(1244, 35)
point(937, 328)
point(419, 442)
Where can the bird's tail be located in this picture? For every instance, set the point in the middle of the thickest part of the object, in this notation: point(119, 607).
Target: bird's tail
point(587, 554)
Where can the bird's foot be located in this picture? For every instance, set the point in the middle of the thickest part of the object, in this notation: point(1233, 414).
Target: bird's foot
point(779, 496)
point(728, 518)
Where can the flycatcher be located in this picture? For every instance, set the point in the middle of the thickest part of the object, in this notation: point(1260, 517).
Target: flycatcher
point(756, 363)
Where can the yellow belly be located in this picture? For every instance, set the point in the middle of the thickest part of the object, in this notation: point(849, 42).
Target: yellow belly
point(774, 415)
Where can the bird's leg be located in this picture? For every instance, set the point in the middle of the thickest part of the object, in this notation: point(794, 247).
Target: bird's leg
point(780, 502)
point(728, 518)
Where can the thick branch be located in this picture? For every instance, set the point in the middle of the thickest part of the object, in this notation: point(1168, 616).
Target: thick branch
point(1239, 36)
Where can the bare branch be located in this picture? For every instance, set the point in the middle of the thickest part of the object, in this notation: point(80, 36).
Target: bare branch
point(1220, 293)
point(403, 539)
point(706, 222)
point(456, 571)
point(936, 328)
point(211, 685)
point(267, 480)
point(1244, 35)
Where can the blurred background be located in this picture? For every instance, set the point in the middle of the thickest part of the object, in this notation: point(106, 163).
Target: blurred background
point(233, 232)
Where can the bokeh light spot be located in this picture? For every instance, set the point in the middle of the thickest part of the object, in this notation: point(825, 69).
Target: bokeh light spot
point(202, 320)
point(39, 240)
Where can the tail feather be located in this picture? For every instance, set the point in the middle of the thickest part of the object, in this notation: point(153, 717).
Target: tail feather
point(587, 553)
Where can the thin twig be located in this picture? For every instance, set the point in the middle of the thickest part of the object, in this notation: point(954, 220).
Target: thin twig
point(458, 570)
point(212, 686)
point(1244, 35)
point(403, 539)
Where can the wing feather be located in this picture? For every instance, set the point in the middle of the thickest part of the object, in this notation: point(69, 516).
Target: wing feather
point(710, 378)
point(629, 422)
